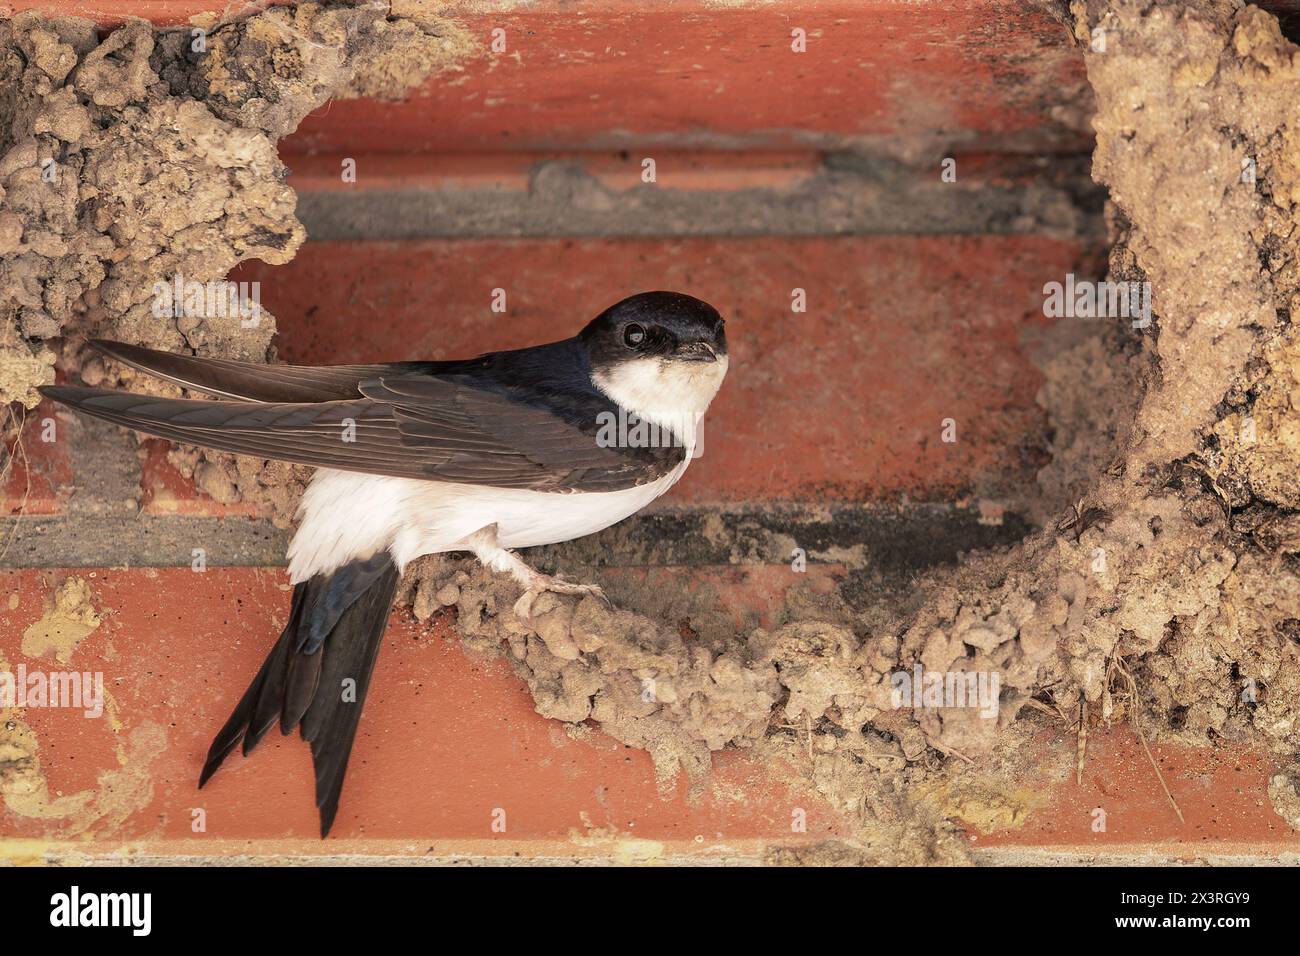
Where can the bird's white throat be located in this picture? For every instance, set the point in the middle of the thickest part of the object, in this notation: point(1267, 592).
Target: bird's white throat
point(663, 392)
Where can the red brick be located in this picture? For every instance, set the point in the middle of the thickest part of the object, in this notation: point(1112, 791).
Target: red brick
point(511, 171)
point(843, 403)
point(38, 478)
point(577, 77)
point(1221, 790)
point(614, 74)
point(447, 737)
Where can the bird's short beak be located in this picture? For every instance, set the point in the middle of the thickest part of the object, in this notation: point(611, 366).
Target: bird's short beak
point(695, 352)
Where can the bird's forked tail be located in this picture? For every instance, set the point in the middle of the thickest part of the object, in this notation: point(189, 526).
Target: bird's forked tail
point(316, 676)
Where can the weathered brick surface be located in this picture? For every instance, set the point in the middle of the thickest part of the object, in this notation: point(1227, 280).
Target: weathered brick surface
point(446, 739)
point(726, 76)
point(449, 737)
point(836, 406)
point(1221, 791)
point(37, 474)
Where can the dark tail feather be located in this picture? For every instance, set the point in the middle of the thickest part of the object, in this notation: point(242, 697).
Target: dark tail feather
point(317, 675)
point(239, 726)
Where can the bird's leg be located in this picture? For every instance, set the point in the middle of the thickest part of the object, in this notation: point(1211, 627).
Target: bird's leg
point(483, 543)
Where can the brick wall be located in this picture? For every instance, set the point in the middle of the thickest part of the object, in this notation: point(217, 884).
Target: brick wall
point(775, 171)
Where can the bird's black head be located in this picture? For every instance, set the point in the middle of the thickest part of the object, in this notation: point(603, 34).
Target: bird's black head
point(662, 325)
point(656, 348)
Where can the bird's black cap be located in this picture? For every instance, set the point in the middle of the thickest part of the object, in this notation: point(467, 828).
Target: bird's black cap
point(668, 325)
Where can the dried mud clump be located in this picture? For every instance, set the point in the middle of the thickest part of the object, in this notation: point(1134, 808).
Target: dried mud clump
point(1200, 584)
point(646, 684)
point(1173, 576)
point(127, 161)
point(269, 71)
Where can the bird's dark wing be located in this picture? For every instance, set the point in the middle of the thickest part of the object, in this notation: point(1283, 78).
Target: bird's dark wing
point(413, 426)
point(546, 440)
point(248, 381)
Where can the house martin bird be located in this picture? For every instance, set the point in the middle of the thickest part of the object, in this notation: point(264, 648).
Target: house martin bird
point(485, 455)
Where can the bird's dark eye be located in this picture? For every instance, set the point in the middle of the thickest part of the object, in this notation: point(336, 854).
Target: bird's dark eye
point(633, 335)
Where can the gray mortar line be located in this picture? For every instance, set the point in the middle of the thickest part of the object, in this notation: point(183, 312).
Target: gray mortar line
point(102, 525)
point(882, 539)
point(145, 541)
point(840, 199)
point(106, 468)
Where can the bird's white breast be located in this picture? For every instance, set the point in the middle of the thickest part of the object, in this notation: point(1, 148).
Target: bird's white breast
point(346, 516)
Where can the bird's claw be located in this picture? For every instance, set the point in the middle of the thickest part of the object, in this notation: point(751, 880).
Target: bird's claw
point(543, 583)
